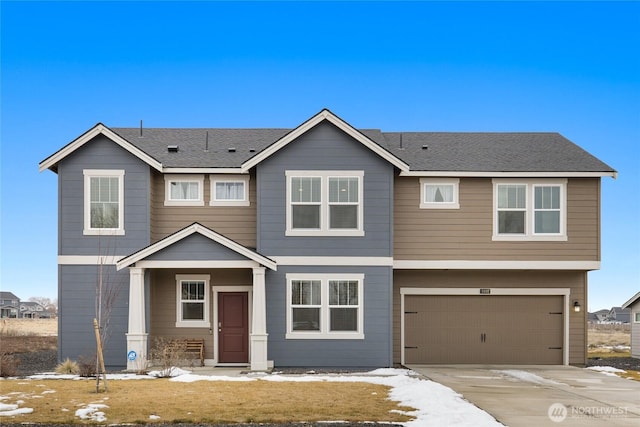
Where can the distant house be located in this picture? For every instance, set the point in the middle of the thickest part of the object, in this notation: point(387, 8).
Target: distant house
point(599, 316)
point(633, 305)
point(32, 310)
point(326, 245)
point(619, 315)
point(9, 305)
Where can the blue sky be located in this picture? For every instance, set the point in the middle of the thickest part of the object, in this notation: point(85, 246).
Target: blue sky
point(572, 68)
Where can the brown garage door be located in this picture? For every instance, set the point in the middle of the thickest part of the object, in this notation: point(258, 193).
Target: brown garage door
point(483, 329)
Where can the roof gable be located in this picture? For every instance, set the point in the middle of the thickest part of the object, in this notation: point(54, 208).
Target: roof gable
point(154, 250)
point(632, 301)
point(52, 161)
point(325, 115)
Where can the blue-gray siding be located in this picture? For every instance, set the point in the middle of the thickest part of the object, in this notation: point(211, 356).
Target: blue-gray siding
point(325, 147)
point(101, 153)
point(77, 283)
point(77, 309)
point(196, 247)
point(375, 350)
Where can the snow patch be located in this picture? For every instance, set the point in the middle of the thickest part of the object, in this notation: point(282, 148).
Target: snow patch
point(90, 412)
point(607, 370)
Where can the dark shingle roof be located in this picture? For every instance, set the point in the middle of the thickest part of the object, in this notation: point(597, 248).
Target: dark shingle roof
point(447, 151)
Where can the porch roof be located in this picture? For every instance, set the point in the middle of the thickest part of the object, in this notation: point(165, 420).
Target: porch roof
point(152, 251)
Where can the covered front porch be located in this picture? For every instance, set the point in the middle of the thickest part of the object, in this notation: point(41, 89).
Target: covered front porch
point(197, 283)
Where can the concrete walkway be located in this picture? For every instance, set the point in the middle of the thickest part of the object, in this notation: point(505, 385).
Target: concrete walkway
point(543, 395)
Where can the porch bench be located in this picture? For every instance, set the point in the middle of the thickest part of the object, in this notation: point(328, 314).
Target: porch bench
point(194, 345)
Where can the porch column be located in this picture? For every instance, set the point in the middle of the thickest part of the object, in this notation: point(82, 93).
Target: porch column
point(137, 333)
point(259, 322)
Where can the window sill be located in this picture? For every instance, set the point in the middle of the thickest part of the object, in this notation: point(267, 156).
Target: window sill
point(193, 324)
point(229, 203)
point(529, 238)
point(325, 233)
point(184, 203)
point(439, 205)
point(324, 336)
point(102, 232)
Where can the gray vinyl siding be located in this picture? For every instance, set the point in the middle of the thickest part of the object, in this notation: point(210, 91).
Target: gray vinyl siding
point(325, 147)
point(635, 331)
point(101, 153)
point(196, 247)
point(77, 302)
point(372, 351)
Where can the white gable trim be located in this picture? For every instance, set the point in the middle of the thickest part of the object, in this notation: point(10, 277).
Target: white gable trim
point(497, 174)
point(98, 129)
point(187, 231)
point(312, 122)
point(631, 301)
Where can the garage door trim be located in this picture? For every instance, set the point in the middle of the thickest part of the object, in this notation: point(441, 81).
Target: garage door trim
point(565, 292)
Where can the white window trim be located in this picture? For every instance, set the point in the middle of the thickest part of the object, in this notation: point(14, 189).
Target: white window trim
point(214, 201)
point(324, 332)
point(207, 306)
point(169, 178)
point(455, 204)
point(324, 204)
point(106, 173)
point(636, 317)
point(529, 233)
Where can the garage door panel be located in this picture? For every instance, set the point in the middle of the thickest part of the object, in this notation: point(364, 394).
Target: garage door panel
point(483, 329)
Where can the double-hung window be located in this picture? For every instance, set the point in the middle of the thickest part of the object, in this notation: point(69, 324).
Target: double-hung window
point(229, 190)
point(325, 306)
point(534, 210)
point(439, 193)
point(192, 296)
point(103, 202)
point(184, 190)
point(325, 203)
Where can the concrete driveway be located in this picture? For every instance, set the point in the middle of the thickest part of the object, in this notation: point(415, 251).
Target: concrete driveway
point(543, 395)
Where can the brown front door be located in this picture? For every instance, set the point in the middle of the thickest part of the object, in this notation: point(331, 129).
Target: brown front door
point(233, 327)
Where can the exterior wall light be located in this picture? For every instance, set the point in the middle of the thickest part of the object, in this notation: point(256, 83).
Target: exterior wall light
point(576, 306)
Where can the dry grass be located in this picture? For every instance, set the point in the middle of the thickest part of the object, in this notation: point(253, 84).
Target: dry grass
point(28, 327)
point(56, 401)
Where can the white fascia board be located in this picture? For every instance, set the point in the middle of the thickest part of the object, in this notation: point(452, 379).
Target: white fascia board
point(494, 265)
point(631, 301)
point(312, 122)
point(333, 261)
point(185, 232)
point(232, 171)
point(472, 174)
point(494, 291)
point(88, 259)
point(89, 135)
point(197, 264)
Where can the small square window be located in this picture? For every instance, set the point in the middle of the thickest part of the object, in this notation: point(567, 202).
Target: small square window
point(184, 190)
point(439, 193)
point(229, 190)
point(636, 317)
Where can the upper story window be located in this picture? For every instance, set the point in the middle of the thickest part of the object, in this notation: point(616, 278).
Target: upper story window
point(229, 190)
point(530, 210)
point(325, 203)
point(103, 201)
point(184, 190)
point(439, 193)
point(192, 296)
point(325, 306)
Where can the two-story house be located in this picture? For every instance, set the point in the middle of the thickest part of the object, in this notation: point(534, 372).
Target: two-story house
point(329, 246)
point(9, 305)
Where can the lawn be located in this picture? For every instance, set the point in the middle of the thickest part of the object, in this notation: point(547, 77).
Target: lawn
point(161, 400)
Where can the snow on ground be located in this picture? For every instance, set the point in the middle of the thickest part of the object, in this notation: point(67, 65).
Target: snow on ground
point(9, 410)
point(434, 403)
point(525, 376)
point(607, 370)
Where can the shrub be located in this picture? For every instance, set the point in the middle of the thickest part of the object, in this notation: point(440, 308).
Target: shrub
point(68, 367)
point(87, 366)
point(8, 365)
point(168, 354)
